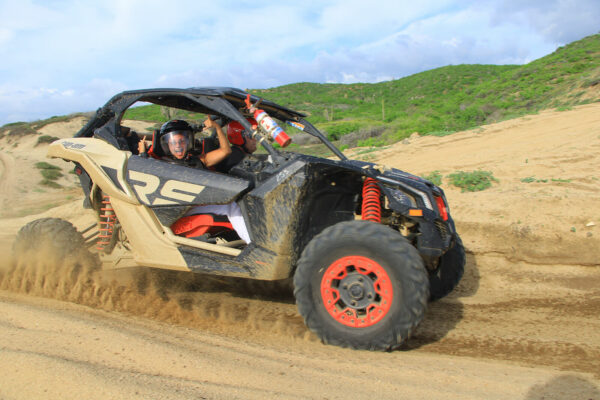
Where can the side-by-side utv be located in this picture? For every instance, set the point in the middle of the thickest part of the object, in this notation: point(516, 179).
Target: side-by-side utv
point(366, 246)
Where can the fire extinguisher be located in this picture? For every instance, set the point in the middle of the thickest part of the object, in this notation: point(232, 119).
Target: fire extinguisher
point(269, 124)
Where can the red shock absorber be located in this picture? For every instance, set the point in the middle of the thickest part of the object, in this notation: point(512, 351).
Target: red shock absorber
point(107, 222)
point(371, 203)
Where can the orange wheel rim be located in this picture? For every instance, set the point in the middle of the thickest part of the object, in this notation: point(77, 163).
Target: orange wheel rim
point(356, 291)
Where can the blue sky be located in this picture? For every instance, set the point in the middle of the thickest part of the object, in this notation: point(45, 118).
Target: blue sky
point(64, 56)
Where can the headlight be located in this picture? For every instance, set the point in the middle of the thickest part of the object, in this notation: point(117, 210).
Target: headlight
point(425, 199)
point(406, 199)
point(403, 198)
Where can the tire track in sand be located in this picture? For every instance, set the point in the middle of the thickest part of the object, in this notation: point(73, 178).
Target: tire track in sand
point(493, 314)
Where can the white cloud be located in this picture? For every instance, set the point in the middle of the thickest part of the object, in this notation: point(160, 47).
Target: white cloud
point(33, 103)
point(556, 21)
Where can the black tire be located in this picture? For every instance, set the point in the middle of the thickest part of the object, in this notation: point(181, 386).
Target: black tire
point(449, 272)
point(381, 294)
point(53, 239)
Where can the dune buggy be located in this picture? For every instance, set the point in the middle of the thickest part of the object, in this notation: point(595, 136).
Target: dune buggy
point(366, 246)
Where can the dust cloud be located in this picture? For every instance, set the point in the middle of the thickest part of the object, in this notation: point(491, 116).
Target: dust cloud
point(183, 298)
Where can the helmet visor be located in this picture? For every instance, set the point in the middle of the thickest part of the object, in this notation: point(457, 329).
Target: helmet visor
point(176, 143)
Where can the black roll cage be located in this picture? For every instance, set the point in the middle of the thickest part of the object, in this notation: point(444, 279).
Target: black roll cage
point(225, 101)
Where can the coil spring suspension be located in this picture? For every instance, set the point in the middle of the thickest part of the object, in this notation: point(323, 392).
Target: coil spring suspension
point(107, 222)
point(371, 203)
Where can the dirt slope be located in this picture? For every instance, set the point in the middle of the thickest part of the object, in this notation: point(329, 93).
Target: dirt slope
point(543, 221)
point(523, 324)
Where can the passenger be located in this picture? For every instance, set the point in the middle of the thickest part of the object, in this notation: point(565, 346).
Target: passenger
point(242, 145)
point(176, 140)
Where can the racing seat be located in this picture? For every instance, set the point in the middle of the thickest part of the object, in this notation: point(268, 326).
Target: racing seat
point(204, 225)
point(131, 138)
point(155, 151)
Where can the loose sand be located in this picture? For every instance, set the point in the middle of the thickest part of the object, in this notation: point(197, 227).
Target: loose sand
point(522, 324)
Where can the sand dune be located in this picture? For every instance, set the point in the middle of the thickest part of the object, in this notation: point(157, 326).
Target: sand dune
point(522, 324)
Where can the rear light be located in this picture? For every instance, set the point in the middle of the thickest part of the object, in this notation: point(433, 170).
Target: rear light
point(442, 207)
point(78, 170)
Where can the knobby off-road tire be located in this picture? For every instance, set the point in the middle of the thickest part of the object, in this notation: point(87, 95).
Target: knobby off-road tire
point(449, 272)
point(52, 239)
point(362, 285)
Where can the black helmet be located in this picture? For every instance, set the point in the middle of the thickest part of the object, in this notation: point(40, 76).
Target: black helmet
point(179, 135)
point(175, 125)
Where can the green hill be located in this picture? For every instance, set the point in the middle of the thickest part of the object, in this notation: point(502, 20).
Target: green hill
point(438, 101)
point(451, 98)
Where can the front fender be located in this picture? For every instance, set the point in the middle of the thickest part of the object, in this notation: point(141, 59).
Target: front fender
point(103, 162)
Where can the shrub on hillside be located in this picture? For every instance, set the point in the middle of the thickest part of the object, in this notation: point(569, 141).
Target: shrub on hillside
point(473, 181)
point(17, 129)
point(49, 183)
point(41, 123)
point(45, 165)
point(45, 139)
point(435, 177)
point(37, 125)
point(305, 138)
point(371, 142)
point(51, 174)
point(337, 130)
point(352, 139)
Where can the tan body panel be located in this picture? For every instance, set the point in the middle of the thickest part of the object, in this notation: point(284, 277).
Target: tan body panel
point(92, 154)
point(152, 243)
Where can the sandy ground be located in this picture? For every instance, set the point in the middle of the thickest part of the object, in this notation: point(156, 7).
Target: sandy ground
point(522, 324)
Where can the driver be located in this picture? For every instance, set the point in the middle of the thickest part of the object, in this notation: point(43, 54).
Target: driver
point(176, 140)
